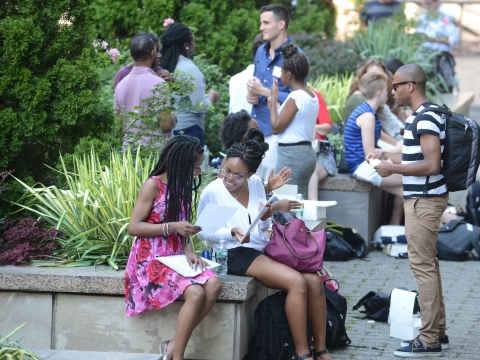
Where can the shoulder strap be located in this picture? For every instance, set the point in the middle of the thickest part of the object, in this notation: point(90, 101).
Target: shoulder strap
point(445, 110)
point(362, 301)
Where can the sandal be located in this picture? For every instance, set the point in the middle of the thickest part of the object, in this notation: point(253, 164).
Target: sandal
point(303, 357)
point(163, 350)
point(320, 353)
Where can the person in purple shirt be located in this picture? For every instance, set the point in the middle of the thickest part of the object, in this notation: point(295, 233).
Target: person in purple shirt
point(135, 88)
point(124, 71)
point(268, 65)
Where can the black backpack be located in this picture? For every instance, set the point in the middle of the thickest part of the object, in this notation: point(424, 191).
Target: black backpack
point(456, 240)
point(272, 339)
point(473, 204)
point(444, 65)
point(461, 155)
point(336, 314)
point(343, 243)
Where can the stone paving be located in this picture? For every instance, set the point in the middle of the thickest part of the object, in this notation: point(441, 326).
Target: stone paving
point(461, 284)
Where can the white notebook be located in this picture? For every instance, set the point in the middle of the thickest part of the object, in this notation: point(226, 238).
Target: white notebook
point(179, 264)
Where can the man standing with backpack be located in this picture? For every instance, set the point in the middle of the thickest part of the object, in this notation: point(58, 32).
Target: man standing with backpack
point(425, 199)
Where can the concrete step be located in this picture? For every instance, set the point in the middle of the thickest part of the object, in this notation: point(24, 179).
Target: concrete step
point(92, 355)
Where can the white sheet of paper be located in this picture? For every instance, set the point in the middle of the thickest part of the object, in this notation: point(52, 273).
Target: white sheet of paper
point(179, 263)
point(214, 217)
point(255, 221)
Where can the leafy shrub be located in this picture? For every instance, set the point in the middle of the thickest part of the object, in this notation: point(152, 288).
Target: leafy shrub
point(328, 57)
point(12, 350)
point(49, 85)
point(26, 239)
point(313, 17)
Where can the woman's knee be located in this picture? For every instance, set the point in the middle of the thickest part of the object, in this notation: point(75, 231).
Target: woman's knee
point(194, 293)
point(213, 287)
point(297, 283)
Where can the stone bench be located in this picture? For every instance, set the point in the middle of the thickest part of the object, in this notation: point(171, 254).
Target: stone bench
point(83, 309)
point(359, 204)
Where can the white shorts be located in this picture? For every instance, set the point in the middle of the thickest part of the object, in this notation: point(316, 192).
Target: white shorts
point(366, 172)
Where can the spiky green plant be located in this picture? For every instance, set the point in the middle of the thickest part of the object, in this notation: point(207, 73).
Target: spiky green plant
point(334, 90)
point(12, 350)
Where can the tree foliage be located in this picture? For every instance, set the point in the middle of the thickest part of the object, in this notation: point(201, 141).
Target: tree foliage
point(49, 83)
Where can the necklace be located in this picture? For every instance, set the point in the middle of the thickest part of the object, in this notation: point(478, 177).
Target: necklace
point(235, 196)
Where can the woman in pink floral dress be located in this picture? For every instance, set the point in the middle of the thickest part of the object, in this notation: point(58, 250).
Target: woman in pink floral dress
point(160, 220)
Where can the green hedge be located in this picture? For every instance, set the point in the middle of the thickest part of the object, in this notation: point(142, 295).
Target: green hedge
point(49, 84)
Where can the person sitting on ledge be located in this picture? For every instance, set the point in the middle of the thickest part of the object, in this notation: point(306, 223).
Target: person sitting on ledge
point(161, 222)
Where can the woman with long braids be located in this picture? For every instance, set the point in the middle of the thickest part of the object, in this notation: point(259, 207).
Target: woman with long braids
point(178, 46)
point(161, 222)
point(294, 123)
point(240, 188)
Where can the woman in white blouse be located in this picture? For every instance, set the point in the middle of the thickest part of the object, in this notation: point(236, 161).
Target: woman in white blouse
point(240, 188)
point(294, 123)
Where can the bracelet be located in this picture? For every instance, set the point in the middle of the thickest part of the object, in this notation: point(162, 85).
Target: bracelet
point(167, 229)
point(164, 229)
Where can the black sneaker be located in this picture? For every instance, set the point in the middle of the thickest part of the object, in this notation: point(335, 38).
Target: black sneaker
point(443, 340)
point(417, 349)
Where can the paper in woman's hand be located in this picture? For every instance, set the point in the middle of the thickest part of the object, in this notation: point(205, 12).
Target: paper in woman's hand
point(214, 217)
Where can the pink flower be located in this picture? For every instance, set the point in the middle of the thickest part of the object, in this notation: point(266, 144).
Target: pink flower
point(113, 53)
point(104, 44)
point(167, 22)
point(446, 20)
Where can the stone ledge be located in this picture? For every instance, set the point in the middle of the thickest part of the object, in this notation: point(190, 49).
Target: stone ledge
point(87, 280)
point(343, 182)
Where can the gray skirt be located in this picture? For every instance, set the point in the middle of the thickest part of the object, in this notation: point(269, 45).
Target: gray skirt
point(299, 157)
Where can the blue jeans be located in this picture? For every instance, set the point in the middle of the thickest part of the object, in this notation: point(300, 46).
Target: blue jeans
point(195, 131)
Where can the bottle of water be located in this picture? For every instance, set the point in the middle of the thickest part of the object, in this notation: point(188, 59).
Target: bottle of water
point(221, 258)
point(299, 211)
point(206, 158)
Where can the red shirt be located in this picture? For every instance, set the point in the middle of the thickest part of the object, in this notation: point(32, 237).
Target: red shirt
point(323, 115)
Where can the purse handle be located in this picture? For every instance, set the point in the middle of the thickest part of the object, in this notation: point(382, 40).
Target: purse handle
point(289, 247)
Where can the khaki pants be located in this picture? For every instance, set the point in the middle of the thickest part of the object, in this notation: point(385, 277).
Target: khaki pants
point(422, 221)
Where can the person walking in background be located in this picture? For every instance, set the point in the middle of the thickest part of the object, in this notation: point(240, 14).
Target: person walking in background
point(161, 222)
point(426, 195)
point(326, 162)
point(238, 83)
point(238, 188)
point(294, 122)
point(362, 132)
point(375, 10)
point(179, 46)
point(135, 88)
point(274, 21)
point(124, 71)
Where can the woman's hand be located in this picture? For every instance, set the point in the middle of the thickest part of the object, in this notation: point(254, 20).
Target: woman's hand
point(184, 228)
point(268, 213)
point(274, 91)
point(277, 181)
point(238, 233)
point(195, 261)
point(285, 205)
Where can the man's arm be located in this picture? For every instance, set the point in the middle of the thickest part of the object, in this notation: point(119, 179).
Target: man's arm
point(167, 122)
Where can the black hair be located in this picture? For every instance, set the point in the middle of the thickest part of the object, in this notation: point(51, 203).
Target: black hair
point(295, 62)
point(149, 34)
point(172, 45)
point(252, 151)
point(257, 42)
point(280, 12)
point(141, 47)
point(392, 65)
point(178, 160)
point(234, 127)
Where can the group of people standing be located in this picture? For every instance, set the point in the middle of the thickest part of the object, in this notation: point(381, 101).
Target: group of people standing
point(273, 143)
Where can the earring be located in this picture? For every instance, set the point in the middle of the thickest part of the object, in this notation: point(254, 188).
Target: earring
point(186, 47)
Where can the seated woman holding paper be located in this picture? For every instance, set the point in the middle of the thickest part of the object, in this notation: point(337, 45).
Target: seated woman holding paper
point(240, 188)
point(160, 221)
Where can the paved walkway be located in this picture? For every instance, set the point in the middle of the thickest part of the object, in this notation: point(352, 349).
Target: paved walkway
point(380, 272)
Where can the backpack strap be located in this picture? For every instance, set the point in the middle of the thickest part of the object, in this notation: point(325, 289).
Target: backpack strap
point(413, 128)
point(364, 299)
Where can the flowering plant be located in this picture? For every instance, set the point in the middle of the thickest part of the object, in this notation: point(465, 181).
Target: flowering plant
point(112, 53)
point(168, 21)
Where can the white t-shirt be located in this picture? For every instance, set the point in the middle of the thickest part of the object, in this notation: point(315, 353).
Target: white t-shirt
point(238, 90)
point(303, 124)
point(217, 193)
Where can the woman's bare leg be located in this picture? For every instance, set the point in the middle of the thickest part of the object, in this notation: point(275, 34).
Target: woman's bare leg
point(393, 185)
point(278, 276)
point(317, 312)
point(318, 175)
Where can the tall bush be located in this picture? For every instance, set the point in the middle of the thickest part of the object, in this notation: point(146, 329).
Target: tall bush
point(49, 83)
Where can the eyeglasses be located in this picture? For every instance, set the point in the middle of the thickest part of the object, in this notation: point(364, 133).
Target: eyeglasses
point(226, 173)
point(394, 86)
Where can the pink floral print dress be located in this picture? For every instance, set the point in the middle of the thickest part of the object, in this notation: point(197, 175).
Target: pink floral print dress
point(149, 284)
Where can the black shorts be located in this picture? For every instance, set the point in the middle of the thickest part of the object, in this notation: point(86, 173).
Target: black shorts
point(240, 259)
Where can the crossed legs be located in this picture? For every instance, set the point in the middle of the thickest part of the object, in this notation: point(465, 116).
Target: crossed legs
point(199, 300)
point(305, 299)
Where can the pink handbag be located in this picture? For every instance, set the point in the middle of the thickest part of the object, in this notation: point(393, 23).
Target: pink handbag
point(296, 247)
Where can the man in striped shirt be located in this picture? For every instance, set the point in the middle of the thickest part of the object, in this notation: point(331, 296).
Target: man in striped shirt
point(426, 197)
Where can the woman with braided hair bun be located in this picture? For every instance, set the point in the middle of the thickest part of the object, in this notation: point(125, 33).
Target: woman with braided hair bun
point(294, 122)
point(240, 188)
point(178, 46)
point(161, 222)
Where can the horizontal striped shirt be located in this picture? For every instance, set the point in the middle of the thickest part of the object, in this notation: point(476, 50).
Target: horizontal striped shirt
point(432, 124)
point(352, 136)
